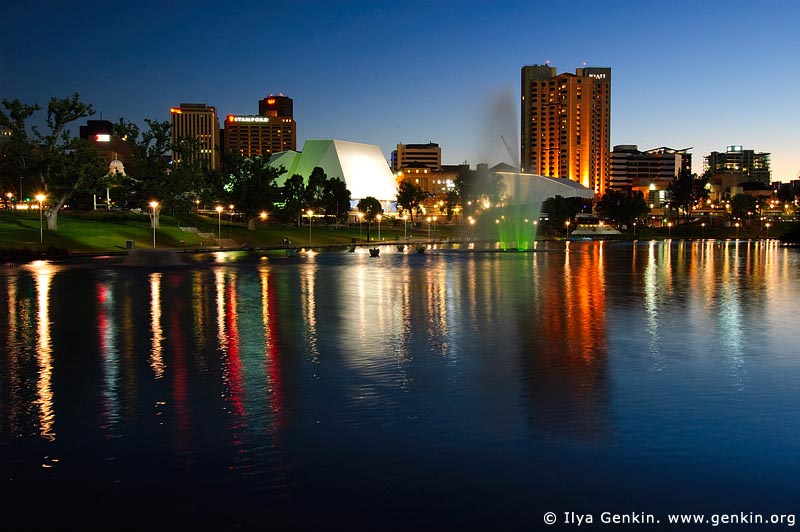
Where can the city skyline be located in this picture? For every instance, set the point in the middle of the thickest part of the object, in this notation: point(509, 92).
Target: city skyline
point(448, 72)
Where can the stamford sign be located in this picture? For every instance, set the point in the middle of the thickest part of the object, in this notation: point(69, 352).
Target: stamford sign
point(246, 119)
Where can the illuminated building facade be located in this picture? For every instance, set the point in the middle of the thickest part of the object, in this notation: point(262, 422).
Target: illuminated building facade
point(650, 172)
point(273, 130)
point(566, 124)
point(735, 166)
point(100, 133)
point(198, 121)
point(429, 155)
point(362, 167)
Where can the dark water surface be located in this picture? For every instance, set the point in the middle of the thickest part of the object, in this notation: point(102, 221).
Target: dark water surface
point(449, 390)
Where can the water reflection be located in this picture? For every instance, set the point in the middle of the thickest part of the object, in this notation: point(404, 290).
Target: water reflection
point(292, 373)
point(157, 337)
point(107, 341)
point(44, 358)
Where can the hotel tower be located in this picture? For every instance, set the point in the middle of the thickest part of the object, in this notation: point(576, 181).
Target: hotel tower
point(566, 124)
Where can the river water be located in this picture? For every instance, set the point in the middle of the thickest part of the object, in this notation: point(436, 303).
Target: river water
point(451, 390)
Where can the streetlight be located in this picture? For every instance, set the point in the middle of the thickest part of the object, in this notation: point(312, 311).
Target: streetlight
point(429, 227)
point(634, 230)
point(567, 225)
point(472, 228)
point(669, 229)
point(405, 227)
point(360, 218)
point(434, 224)
point(263, 216)
point(767, 225)
point(703, 230)
point(737, 230)
point(219, 210)
point(153, 205)
point(40, 199)
point(379, 217)
point(231, 208)
point(309, 212)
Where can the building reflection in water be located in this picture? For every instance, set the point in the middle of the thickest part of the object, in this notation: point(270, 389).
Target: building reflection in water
point(565, 367)
point(109, 355)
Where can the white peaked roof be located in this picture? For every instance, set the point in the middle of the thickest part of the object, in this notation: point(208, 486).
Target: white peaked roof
point(537, 187)
point(361, 166)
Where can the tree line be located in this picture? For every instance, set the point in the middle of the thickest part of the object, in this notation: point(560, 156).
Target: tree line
point(69, 170)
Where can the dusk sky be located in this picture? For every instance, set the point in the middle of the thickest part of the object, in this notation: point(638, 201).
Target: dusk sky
point(701, 74)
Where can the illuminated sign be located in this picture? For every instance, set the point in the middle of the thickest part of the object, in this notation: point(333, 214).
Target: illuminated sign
point(271, 101)
point(248, 119)
point(175, 110)
point(597, 76)
point(103, 137)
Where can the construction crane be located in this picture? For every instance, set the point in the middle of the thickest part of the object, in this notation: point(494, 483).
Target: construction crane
point(514, 159)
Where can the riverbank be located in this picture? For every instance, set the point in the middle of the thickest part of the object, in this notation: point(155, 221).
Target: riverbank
point(110, 232)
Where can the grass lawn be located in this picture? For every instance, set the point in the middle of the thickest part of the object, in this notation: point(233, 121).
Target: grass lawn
point(108, 231)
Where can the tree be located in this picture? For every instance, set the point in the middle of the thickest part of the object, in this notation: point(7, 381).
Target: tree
point(18, 155)
point(62, 164)
point(336, 198)
point(150, 166)
point(785, 193)
point(371, 208)
point(741, 204)
point(622, 207)
point(252, 185)
point(315, 189)
point(293, 194)
point(687, 189)
point(451, 200)
point(560, 209)
point(410, 196)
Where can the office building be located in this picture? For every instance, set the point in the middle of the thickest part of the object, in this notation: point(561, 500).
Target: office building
point(735, 166)
point(429, 155)
point(566, 124)
point(273, 130)
point(197, 121)
point(650, 171)
point(100, 133)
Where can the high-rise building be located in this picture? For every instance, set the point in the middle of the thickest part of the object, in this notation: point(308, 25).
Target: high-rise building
point(566, 124)
point(740, 165)
point(273, 130)
point(197, 121)
point(429, 154)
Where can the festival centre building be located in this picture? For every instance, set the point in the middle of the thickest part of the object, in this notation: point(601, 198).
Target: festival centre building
point(361, 166)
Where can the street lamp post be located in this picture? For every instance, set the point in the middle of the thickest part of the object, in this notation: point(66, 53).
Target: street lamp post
point(379, 217)
point(219, 224)
point(40, 199)
point(737, 230)
point(767, 226)
point(703, 230)
point(434, 228)
point(429, 227)
point(471, 228)
point(360, 219)
point(669, 230)
point(153, 205)
point(310, 213)
point(405, 227)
